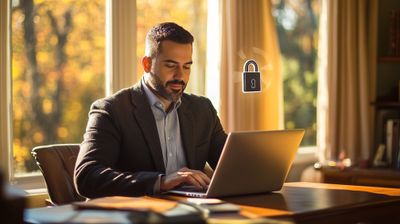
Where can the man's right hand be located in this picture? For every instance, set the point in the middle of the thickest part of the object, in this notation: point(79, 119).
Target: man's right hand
point(185, 175)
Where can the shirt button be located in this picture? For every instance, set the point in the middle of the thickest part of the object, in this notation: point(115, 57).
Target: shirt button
point(170, 155)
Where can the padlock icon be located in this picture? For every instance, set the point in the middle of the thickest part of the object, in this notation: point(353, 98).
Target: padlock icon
point(251, 80)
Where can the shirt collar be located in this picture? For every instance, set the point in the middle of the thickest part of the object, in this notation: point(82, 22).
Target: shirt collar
point(153, 99)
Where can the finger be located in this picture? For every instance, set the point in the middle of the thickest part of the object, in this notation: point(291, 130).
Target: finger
point(170, 181)
point(191, 178)
point(202, 175)
point(184, 169)
point(192, 181)
point(197, 176)
point(200, 180)
point(205, 177)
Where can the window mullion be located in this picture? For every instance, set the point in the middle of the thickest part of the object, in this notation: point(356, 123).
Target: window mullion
point(120, 44)
point(5, 90)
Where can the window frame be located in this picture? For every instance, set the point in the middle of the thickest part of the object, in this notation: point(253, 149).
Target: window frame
point(5, 88)
point(119, 74)
point(120, 44)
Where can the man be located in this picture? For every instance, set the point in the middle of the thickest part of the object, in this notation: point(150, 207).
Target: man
point(152, 137)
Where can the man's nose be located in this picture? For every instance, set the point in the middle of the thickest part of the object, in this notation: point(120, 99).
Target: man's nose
point(178, 73)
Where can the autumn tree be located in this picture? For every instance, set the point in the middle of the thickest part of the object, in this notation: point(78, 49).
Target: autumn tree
point(50, 98)
point(297, 28)
point(58, 64)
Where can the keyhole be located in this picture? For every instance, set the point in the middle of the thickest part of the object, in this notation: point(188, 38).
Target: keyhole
point(253, 83)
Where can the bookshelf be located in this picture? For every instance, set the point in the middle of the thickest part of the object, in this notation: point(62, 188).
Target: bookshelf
point(386, 114)
point(357, 176)
point(387, 101)
point(388, 51)
point(389, 59)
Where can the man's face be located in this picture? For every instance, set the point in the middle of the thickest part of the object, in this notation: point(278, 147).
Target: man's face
point(170, 70)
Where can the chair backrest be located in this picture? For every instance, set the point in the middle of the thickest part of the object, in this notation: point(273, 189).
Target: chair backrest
point(57, 164)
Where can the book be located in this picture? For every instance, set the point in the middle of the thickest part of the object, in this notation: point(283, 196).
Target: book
point(389, 140)
point(398, 161)
point(392, 142)
point(395, 142)
point(143, 209)
point(378, 158)
point(128, 204)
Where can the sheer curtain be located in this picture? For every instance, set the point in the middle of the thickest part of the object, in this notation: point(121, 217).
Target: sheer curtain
point(346, 83)
point(248, 32)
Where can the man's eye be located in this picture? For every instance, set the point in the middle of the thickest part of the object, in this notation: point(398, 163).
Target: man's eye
point(170, 65)
point(186, 66)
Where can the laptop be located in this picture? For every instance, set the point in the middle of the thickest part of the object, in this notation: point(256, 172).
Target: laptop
point(251, 162)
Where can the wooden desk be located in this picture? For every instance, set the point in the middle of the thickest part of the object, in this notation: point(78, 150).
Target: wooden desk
point(310, 203)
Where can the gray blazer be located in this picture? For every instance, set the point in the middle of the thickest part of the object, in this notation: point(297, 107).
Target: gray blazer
point(121, 152)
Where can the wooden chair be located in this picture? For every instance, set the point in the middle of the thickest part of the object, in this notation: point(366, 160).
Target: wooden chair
point(57, 163)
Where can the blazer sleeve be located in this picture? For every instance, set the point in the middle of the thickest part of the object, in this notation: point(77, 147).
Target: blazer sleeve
point(95, 170)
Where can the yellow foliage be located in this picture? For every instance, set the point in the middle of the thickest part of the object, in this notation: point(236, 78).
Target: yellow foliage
point(99, 42)
point(43, 57)
point(79, 77)
point(86, 76)
point(47, 106)
point(20, 154)
point(38, 137)
point(25, 89)
point(17, 114)
point(27, 125)
point(75, 112)
point(290, 124)
point(84, 46)
point(15, 70)
point(62, 132)
point(53, 40)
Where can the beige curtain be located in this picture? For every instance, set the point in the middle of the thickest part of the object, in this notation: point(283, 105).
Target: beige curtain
point(248, 32)
point(347, 63)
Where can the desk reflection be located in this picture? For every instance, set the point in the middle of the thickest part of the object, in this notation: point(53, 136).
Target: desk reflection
point(269, 200)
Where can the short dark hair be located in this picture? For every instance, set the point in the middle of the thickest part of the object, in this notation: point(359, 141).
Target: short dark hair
point(165, 31)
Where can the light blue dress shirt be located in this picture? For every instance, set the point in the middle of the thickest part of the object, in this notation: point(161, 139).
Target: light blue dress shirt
point(169, 132)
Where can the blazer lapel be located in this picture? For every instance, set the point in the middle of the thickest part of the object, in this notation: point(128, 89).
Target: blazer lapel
point(187, 133)
point(144, 117)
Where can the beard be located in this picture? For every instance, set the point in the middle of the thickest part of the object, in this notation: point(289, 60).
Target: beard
point(161, 89)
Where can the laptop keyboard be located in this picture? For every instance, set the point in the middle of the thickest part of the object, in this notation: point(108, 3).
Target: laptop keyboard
point(190, 188)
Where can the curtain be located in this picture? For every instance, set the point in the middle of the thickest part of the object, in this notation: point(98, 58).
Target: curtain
point(347, 65)
point(248, 32)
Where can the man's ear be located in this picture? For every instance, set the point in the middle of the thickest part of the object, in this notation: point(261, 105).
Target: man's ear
point(146, 62)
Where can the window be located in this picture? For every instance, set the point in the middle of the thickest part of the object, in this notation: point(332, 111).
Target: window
point(192, 15)
point(58, 69)
point(297, 28)
point(58, 54)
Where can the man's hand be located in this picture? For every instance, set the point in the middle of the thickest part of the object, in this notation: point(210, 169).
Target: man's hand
point(185, 175)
